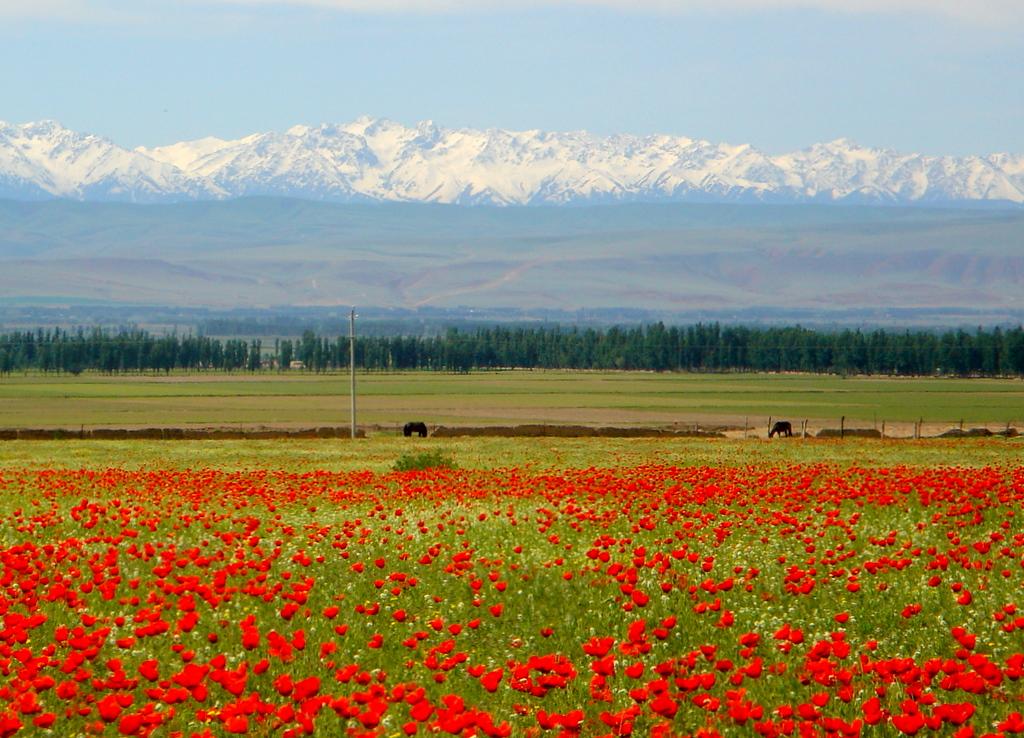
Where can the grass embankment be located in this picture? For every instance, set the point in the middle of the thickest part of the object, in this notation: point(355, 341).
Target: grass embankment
point(379, 454)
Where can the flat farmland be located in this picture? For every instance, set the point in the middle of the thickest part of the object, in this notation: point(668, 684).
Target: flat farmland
point(512, 397)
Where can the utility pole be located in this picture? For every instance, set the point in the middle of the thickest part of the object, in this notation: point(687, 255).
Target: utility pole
point(352, 365)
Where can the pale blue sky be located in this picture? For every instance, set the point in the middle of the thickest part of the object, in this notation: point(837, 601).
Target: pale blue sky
point(936, 77)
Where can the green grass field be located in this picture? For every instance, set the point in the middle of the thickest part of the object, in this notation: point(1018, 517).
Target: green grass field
point(611, 398)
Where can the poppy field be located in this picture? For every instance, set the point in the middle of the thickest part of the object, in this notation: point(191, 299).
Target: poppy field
point(649, 600)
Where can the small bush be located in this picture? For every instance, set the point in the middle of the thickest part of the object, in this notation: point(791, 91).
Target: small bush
point(424, 460)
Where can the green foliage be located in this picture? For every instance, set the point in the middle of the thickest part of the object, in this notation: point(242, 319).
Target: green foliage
point(700, 347)
point(435, 459)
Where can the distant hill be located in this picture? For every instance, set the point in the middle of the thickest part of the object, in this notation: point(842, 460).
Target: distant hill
point(670, 258)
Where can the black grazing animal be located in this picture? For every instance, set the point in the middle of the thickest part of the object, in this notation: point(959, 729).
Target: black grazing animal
point(409, 428)
point(783, 428)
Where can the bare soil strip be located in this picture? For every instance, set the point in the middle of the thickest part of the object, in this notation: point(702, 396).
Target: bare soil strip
point(894, 431)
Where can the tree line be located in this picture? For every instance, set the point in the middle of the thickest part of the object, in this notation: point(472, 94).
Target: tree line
point(655, 347)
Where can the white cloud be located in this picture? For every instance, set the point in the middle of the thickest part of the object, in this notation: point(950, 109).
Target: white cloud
point(982, 11)
point(39, 8)
point(977, 11)
point(78, 11)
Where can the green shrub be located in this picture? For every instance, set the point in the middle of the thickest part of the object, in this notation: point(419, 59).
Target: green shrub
point(424, 460)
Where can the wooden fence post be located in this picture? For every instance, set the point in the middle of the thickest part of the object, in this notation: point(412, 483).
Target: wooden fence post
point(769, 423)
point(883, 430)
point(842, 427)
point(745, 425)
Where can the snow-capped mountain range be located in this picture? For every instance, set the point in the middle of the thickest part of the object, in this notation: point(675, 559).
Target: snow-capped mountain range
point(380, 160)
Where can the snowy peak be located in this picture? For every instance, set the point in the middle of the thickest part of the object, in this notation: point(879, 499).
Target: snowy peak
point(376, 159)
point(45, 159)
point(186, 155)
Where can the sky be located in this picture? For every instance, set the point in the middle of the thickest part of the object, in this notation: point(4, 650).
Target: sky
point(932, 76)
